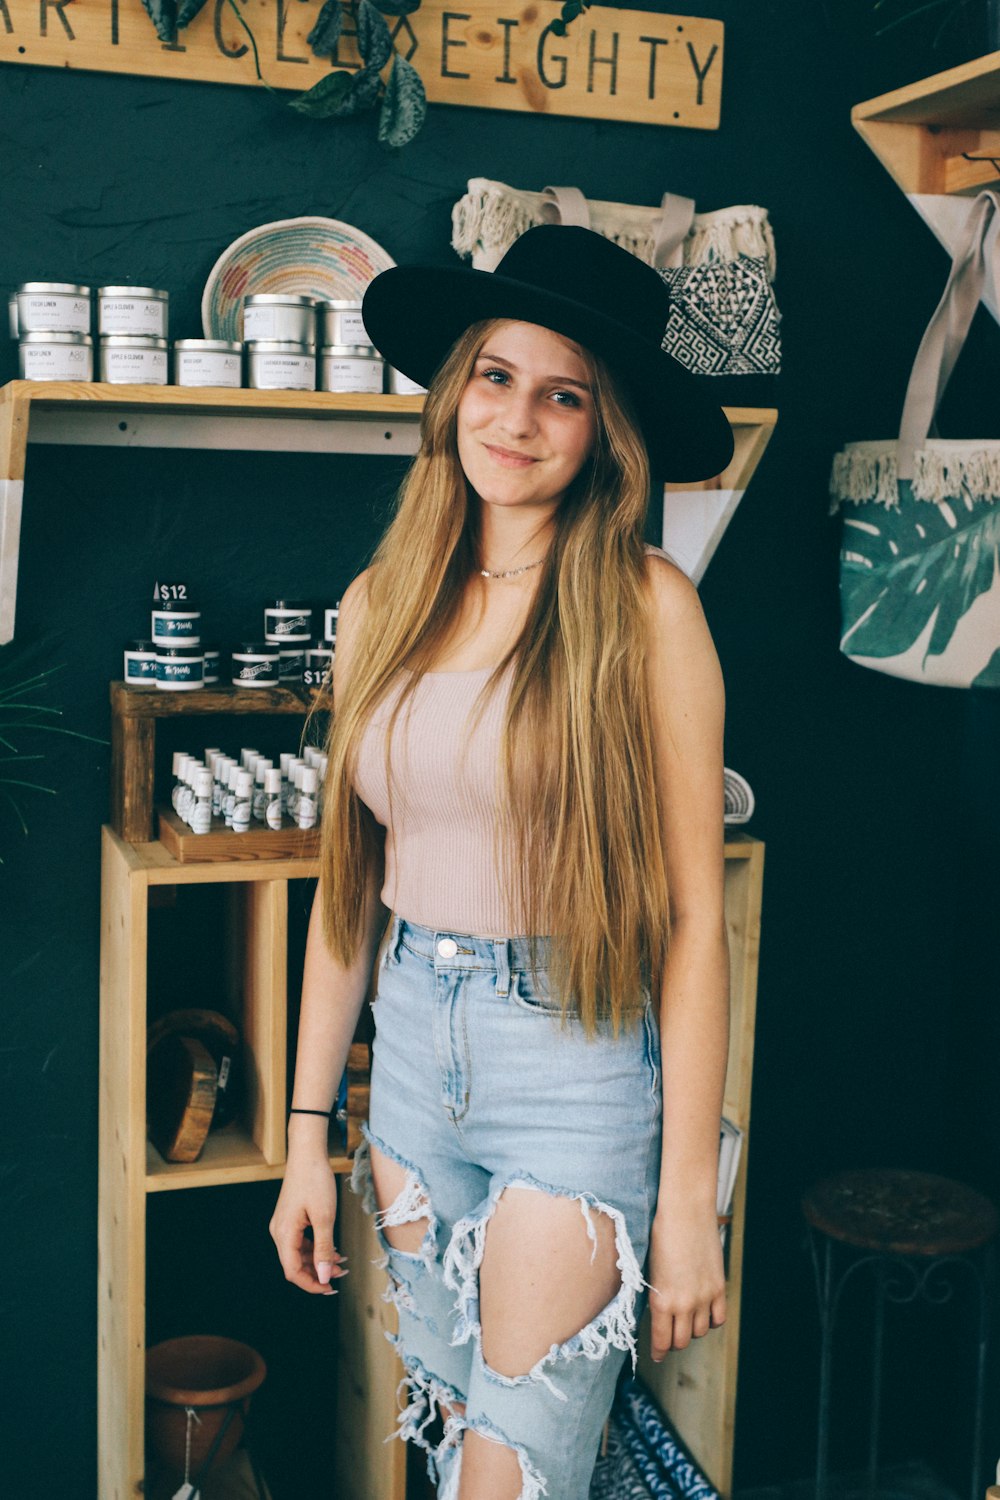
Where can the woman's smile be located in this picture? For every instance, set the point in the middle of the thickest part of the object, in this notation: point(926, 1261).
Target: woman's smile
point(508, 459)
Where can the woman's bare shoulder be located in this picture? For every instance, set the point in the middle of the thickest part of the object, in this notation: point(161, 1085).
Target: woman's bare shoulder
point(670, 589)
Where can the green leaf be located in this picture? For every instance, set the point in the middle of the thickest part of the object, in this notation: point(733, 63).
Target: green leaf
point(325, 34)
point(362, 94)
point(374, 41)
point(397, 7)
point(340, 94)
point(187, 12)
point(325, 97)
point(901, 569)
point(404, 107)
point(558, 28)
point(163, 14)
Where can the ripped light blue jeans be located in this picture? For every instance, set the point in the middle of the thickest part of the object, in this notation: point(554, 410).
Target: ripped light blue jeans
point(475, 1088)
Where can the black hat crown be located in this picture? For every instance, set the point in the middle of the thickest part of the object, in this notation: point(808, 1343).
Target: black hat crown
point(577, 263)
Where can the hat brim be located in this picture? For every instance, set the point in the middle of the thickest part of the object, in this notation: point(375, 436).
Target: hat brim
point(414, 314)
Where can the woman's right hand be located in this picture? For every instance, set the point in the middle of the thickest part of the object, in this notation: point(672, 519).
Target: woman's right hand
point(308, 1200)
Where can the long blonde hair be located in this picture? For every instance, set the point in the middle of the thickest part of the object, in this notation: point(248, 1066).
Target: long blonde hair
point(578, 831)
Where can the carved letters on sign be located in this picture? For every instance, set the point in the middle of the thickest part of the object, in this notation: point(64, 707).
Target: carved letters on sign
point(612, 64)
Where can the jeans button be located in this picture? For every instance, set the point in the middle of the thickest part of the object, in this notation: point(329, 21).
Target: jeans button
point(447, 947)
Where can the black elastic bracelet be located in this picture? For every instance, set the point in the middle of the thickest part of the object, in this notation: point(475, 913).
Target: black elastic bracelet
point(326, 1112)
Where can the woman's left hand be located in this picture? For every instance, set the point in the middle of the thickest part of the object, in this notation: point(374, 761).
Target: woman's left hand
point(687, 1294)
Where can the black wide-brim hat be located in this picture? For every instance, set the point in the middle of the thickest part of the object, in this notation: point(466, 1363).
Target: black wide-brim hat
point(585, 287)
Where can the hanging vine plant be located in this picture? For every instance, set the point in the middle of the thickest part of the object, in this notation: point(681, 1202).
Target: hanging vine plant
point(343, 92)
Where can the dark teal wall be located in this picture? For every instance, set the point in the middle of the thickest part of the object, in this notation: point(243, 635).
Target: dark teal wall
point(872, 794)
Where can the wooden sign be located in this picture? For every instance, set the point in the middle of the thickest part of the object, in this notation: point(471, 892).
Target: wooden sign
point(611, 65)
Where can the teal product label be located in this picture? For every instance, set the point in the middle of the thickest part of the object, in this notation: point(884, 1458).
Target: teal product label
point(174, 627)
point(139, 668)
point(179, 671)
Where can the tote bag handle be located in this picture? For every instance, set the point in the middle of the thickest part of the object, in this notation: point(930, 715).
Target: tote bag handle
point(946, 332)
point(567, 205)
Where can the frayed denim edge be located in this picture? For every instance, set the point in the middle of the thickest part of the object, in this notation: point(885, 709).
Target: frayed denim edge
point(533, 1486)
point(613, 1327)
point(410, 1204)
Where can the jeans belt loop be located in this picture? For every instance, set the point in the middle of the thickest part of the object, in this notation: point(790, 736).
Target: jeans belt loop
point(501, 955)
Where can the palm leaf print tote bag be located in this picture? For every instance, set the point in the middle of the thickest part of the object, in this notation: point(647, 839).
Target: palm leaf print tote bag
point(919, 570)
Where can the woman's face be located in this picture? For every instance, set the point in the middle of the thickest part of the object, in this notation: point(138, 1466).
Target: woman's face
point(526, 419)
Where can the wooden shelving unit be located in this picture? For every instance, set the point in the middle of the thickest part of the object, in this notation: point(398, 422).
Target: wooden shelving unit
point(250, 1149)
point(151, 416)
point(939, 140)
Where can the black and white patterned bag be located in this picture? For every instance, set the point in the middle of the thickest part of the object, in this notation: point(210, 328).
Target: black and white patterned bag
point(719, 266)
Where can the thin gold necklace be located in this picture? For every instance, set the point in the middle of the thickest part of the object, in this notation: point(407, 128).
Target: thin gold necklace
point(510, 572)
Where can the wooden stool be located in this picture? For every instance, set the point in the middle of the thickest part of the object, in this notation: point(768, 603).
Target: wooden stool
point(914, 1224)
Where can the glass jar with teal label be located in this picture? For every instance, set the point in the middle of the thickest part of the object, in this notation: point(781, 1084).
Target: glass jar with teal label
point(175, 622)
point(179, 668)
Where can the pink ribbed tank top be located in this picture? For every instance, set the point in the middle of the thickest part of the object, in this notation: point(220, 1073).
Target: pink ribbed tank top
point(439, 869)
point(446, 781)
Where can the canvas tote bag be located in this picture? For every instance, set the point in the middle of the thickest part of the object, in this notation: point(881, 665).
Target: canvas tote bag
point(719, 266)
point(919, 569)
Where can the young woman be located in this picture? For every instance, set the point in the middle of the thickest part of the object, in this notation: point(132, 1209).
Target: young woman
point(523, 839)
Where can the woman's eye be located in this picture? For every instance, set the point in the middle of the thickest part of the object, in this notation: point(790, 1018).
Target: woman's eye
point(488, 373)
point(573, 400)
point(570, 398)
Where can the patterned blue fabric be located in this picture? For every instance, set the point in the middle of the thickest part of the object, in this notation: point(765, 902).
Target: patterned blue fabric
point(645, 1458)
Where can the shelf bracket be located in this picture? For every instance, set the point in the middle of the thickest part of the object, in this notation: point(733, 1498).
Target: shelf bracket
point(11, 495)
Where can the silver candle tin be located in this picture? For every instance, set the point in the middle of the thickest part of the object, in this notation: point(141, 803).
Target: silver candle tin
point(217, 362)
point(12, 314)
point(402, 385)
point(340, 322)
point(132, 309)
point(280, 365)
point(279, 315)
point(351, 367)
point(53, 307)
point(56, 356)
point(133, 359)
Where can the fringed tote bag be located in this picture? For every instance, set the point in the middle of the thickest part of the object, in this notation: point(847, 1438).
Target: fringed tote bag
point(719, 266)
point(919, 570)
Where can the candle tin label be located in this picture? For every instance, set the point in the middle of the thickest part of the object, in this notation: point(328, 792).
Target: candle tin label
point(132, 315)
point(57, 362)
point(50, 313)
point(211, 368)
point(340, 374)
point(134, 366)
point(283, 372)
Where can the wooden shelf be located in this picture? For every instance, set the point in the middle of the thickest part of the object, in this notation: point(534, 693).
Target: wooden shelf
point(88, 413)
point(228, 1155)
point(923, 134)
point(134, 712)
point(154, 703)
point(939, 140)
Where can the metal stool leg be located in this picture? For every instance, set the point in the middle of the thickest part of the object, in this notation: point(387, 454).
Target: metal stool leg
point(824, 1275)
point(985, 1288)
point(877, 1342)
